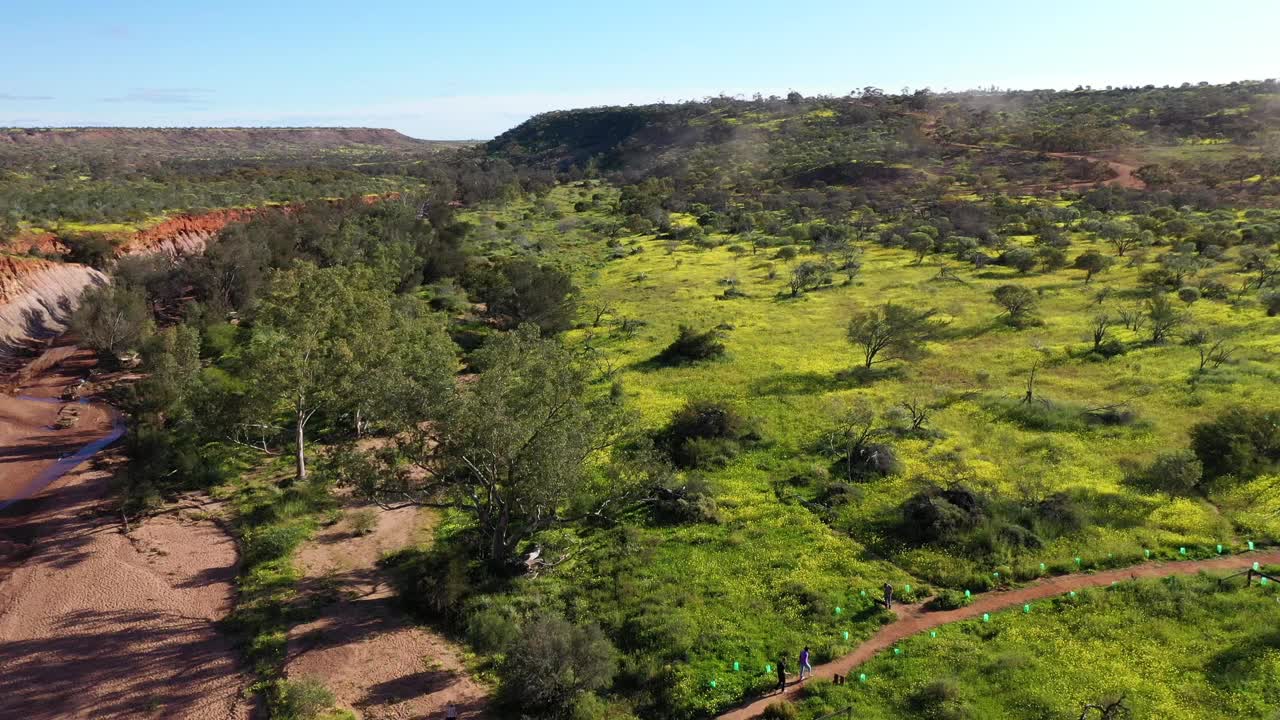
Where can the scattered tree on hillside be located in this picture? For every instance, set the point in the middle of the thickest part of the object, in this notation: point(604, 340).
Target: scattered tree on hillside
point(807, 276)
point(1092, 262)
point(1163, 317)
point(1018, 302)
point(893, 332)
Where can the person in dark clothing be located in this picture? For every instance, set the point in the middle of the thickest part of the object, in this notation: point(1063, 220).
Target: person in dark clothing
point(888, 596)
point(782, 675)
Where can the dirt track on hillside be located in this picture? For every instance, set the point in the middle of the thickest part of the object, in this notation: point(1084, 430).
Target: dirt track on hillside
point(914, 619)
point(95, 623)
point(363, 647)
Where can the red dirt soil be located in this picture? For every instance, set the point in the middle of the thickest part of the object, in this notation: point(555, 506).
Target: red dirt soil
point(363, 647)
point(95, 623)
point(914, 619)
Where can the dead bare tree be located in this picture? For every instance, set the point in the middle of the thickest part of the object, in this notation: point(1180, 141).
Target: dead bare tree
point(1030, 396)
point(1101, 324)
point(1113, 709)
point(1215, 354)
point(918, 411)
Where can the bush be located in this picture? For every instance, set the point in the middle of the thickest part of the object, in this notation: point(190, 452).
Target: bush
point(706, 433)
point(937, 515)
point(1177, 471)
point(691, 346)
point(949, 600)
point(363, 521)
point(1241, 442)
point(869, 460)
point(553, 662)
point(688, 503)
point(1271, 301)
point(490, 630)
point(939, 699)
point(781, 710)
point(303, 699)
point(269, 542)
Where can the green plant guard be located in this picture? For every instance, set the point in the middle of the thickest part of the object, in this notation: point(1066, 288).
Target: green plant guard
point(1078, 561)
point(1250, 546)
point(967, 595)
point(864, 593)
point(986, 617)
point(1146, 553)
point(1182, 551)
point(1026, 608)
point(933, 633)
point(906, 588)
point(1265, 582)
point(1256, 566)
point(862, 677)
point(995, 575)
point(1042, 567)
point(1073, 593)
point(713, 684)
point(736, 668)
point(897, 651)
point(839, 610)
point(768, 668)
point(846, 635)
point(1219, 549)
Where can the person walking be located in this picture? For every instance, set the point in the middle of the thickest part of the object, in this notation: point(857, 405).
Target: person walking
point(804, 664)
point(782, 674)
point(888, 596)
point(451, 712)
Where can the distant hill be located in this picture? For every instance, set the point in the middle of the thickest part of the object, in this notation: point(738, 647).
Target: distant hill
point(209, 142)
point(797, 136)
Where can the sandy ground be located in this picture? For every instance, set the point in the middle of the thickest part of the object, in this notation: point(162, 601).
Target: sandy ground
point(914, 619)
point(363, 647)
point(95, 623)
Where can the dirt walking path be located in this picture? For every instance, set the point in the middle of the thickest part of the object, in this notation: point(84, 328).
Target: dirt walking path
point(914, 619)
point(95, 623)
point(1126, 176)
point(363, 647)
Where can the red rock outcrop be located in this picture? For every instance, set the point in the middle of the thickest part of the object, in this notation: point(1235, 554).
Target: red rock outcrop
point(182, 234)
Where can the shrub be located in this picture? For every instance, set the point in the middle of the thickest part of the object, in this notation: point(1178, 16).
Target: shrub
point(1241, 442)
point(363, 521)
point(269, 542)
point(869, 460)
point(553, 662)
point(303, 699)
point(688, 503)
point(937, 515)
point(781, 710)
point(1177, 471)
point(490, 630)
point(939, 699)
point(1271, 301)
point(949, 600)
point(705, 433)
point(1020, 259)
point(691, 346)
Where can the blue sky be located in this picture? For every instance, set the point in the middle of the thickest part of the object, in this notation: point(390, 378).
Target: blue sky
point(452, 70)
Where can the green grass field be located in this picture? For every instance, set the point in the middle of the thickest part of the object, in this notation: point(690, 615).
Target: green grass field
point(768, 576)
